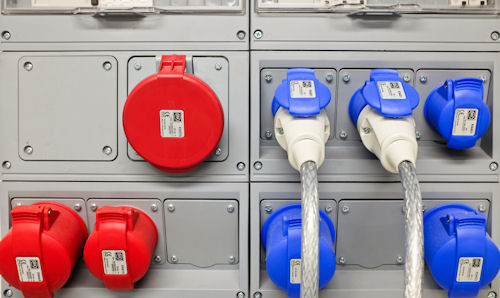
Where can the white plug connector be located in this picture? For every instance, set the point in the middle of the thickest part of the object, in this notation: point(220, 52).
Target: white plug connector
point(304, 138)
point(392, 140)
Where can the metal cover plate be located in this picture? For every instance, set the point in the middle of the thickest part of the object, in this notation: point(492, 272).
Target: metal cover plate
point(202, 232)
point(67, 107)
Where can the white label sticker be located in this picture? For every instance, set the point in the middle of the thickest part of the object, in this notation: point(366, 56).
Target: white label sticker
point(61, 3)
point(295, 269)
point(469, 269)
point(302, 89)
point(29, 269)
point(465, 122)
point(391, 90)
point(172, 123)
point(114, 262)
point(125, 3)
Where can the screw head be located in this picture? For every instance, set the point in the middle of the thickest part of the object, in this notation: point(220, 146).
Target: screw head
point(342, 260)
point(157, 259)
point(154, 207)
point(107, 66)
point(257, 165)
point(240, 295)
point(483, 78)
point(231, 260)
point(268, 209)
point(424, 208)
point(6, 164)
point(218, 66)
point(400, 260)
point(268, 134)
point(329, 209)
point(281, 131)
point(258, 34)
point(493, 166)
point(418, 135)
point(406, 78)
point(329, 77)
point(367, 130)
point(481, 208)
point(492, 295)
point(241, 35)
point(107, 150)
point(241, 166)
point(343, 135)
point(346, 78)
point(218, 151)
point(173, 259)
point(8, 293)
point(268, 78)
point(28, 150)
point(77, 207)
point(257, 295)
point(137, 66)
point(423, 79)
point(171, 207)
point(345, 209)
point(93, 207)
point(495, 35)
point(230, 208)
point(28, 66)
point(6, 35)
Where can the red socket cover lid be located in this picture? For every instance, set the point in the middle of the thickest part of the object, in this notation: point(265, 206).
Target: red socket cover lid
point(173, 119)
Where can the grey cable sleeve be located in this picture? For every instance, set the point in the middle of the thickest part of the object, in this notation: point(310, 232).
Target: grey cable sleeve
point(309, 287)
point(414, 231)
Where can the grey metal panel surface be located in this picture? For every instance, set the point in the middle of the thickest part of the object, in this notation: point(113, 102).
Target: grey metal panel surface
point(122, 168)
point(348, 160)
point(162, 280)
point(338, 31)
point(202, 233)
point(354, 281)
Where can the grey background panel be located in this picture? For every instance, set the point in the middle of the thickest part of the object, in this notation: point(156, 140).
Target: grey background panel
point(122, 168)
point(326, 31)
point(348, 160)
point(354, 281)
point(162, 280)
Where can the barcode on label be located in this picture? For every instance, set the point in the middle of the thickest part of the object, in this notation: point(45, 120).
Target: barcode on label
point(465, 122)
point(469, 269)
point(29, 269)
point(302, 89)
point(114, 262)
point(391, 90)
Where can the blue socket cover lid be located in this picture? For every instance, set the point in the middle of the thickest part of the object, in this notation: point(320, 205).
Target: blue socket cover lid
point(385, 92)
point(456, 110)
point(461, 256)
point(301, 94)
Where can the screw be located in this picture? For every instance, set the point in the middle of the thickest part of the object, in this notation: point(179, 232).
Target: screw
point(8, 293)
point(424, 208)
point(28, 150)
point(492, 295)
point(346, 78)
point(493, 166)
point(329, 77)
point(406, 78)
point(345, 209)
point(241, 166)
point(257, 165)
point(154, 207)
point(171, 207)
point(107, 66)
point(240, 295)
point(231, 260)
point(366, 130)
point(482, 208)
point(28, 66)
point(399, 260)
point(218, 66)
point(342, 260)
point(268, 134)
point(423, 79)
point(241, 35)
point(257, 295)
point(484, 78)
point(258, 34)
point(107, 150)
point(93, 207)
point(495, 35)
point(268, 78)
point(174, 259)
point(343, 135)
point(218, 152)
point(281, 131)
point(77, 207)
point(329, 209)
point(418, 135)
point(268, 209)
point(6, 35)
point(6, 164)
point(157, 259)
point(137, 66)
point(230, 208)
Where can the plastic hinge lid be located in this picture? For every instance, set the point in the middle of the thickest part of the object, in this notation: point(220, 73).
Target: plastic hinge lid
point(301, 93)
point(385, 92)
point(456, 110)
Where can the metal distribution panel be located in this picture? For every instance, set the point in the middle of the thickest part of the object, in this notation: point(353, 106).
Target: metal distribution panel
point(375, 207)
point(346, 158)
point(79, 135)
point(201, 203)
